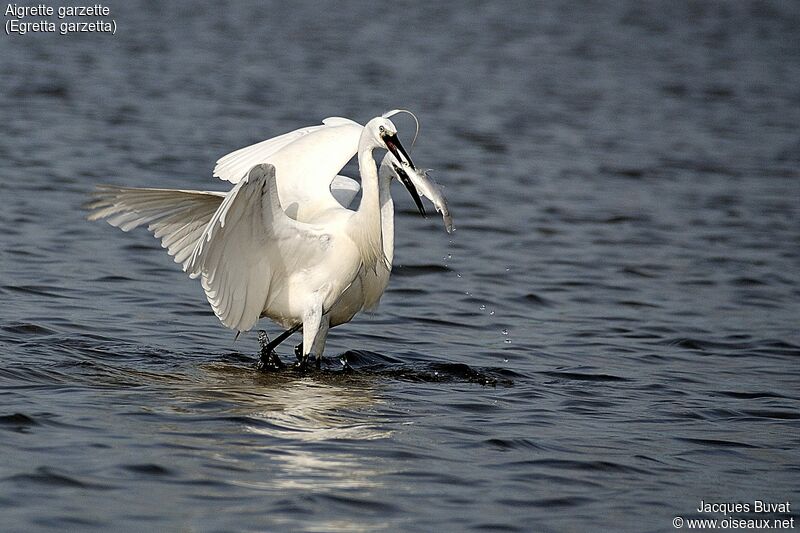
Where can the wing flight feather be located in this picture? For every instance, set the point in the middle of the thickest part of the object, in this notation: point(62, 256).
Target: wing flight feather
point(246, 245)
point(176, 217)
point(306, 160)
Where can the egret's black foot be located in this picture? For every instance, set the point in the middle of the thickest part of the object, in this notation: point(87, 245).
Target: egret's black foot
point(272, 363)
point(269, 360)
point(346, 368)
point(304, 363)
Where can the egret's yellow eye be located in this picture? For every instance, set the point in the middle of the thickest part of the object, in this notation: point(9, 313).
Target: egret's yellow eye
point(382, 130)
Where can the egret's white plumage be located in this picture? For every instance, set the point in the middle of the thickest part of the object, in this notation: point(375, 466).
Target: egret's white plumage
point(282, 243)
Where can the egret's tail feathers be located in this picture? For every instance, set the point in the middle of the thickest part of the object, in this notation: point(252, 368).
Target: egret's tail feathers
point(176, 217)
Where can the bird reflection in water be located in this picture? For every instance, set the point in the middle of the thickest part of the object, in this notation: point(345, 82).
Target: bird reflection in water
point(309, 428)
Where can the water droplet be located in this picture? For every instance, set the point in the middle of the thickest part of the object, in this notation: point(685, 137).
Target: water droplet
point(504, 332)
point(507, 341)
point(467, 293)
point(505, 359)
point(459, 275)
point(491, 312)
point(449, 256)
point(482, 307)
point(508, 270)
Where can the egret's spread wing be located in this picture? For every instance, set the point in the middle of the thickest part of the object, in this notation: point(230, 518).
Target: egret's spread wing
point(344, 189)
point(235, 166)
point(306, 161)
point(249, 245)
point(176, 217)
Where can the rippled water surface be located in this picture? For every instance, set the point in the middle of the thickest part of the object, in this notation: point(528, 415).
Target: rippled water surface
point(611, 335)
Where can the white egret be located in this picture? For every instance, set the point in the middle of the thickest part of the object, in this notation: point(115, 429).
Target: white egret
point(282, 243)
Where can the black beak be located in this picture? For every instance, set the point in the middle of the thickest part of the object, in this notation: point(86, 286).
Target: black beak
point(399, 153)
point(397, 150)
point(411, 189)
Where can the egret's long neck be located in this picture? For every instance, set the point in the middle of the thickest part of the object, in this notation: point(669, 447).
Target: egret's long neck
point(387, 217)
point(366, 222)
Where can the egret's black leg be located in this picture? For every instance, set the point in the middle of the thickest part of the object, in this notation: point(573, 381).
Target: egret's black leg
point(269, 358)
point(298, 352)
point(283, 336)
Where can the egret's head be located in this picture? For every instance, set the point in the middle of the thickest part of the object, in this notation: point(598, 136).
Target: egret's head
point(385, 135)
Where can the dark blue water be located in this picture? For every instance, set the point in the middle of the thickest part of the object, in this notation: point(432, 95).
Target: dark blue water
point(611, 335)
